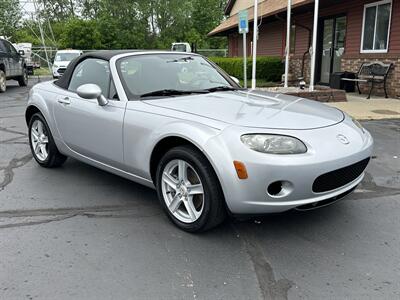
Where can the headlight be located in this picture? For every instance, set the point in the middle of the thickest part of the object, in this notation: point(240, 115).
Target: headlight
point(274, 144)
point(55, 66)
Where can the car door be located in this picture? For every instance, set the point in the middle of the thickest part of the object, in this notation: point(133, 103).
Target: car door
point(5, 55)
point(87, 128)
point(15, 60)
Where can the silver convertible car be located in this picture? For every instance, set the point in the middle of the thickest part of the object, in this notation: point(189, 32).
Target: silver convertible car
point(177, 123)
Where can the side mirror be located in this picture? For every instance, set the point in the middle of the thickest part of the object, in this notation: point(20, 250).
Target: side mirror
point(92, 91)
point(237, 81)
point(21, 52)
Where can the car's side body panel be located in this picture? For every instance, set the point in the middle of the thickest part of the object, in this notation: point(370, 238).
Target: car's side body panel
point(144, 128)
point(89, 129)
point(44, 97)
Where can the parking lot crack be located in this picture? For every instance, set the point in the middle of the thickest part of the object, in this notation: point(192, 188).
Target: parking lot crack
point(368, 189)
point(43, 216)
point(5, 129)
point(15, 140)
point(269, 286)
point(9, 169)
point(37, 222)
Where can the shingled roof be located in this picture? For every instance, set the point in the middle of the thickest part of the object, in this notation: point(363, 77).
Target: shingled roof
point(265, 9)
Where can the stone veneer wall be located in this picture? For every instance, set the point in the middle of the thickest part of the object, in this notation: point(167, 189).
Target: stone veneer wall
point(353, 63)
point(295, 67)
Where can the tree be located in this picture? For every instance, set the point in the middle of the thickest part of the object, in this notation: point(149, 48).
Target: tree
point(59, 10)
point(10, 16)
point(131, 24)
point(207, 14)
point(81, 34)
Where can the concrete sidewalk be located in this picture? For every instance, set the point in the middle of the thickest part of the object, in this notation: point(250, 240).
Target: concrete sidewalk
point(375, 108)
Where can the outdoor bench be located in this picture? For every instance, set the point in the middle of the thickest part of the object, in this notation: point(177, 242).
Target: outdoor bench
point(372, 73)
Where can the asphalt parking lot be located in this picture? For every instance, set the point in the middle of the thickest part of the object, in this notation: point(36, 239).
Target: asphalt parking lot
point(80, 233)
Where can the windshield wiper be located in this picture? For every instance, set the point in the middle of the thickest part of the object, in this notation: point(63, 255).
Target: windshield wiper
point(171, 92)
point(222, 88)
point(185, 59)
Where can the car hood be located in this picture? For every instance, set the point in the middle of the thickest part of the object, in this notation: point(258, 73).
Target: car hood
point(255, 109)
point(62, 64)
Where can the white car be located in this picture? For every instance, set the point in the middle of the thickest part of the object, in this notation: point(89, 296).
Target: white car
point(62, 60)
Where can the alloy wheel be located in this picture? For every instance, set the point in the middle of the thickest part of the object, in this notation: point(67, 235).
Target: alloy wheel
point(182, 191)
point(39, 140)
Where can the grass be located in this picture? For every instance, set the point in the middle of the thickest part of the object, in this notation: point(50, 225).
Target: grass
point(260, 83)
point(42, 72)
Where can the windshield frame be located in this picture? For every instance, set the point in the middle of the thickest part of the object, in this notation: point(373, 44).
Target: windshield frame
point(132, 97)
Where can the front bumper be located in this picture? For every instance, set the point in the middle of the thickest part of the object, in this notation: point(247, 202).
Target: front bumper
point(325, 154)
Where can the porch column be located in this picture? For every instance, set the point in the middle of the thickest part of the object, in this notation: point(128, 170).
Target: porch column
point(255, 36)
point(287, 51)
point(314, 45)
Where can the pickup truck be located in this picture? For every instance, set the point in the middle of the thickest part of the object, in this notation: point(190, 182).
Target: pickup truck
point(12, 65)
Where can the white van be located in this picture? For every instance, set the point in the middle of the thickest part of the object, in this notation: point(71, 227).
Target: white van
point(62, 60)
point(181, 47)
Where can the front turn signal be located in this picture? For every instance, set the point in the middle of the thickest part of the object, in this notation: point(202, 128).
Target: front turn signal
point(240, 169)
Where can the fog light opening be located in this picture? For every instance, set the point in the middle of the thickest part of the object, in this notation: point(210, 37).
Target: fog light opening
point(275, 188)
point(279, 189)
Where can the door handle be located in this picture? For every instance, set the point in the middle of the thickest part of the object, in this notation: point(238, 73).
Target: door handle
point(64, 100)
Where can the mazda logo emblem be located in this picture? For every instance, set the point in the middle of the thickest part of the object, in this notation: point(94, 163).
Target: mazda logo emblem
point(342, 139)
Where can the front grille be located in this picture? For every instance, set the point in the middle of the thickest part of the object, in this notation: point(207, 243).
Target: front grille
point(61, 70)
point(340, 177)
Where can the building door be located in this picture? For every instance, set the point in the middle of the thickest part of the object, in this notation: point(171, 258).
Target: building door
point(332, 40)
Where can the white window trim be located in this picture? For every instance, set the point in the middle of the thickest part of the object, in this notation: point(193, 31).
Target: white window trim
point(363, 25)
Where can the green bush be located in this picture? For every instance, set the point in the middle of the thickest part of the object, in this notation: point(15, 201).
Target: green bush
point(269, 68)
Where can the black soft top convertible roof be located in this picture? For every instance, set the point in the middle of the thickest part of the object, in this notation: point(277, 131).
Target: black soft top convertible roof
point(63, 82)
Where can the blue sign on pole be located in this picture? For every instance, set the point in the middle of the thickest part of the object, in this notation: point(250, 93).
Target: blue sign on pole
point(243, 22)
point(244, 29)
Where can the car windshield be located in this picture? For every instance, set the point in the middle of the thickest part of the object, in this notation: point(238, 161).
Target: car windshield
point(179, 48)
point(155, 75)
point(65, 56)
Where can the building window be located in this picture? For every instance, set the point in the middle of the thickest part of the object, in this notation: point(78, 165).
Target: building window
point(376, 27)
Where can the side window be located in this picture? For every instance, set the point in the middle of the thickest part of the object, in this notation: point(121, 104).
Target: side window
point(9, 48)
point(13, 50)
point(91, 70)
point(2, 47)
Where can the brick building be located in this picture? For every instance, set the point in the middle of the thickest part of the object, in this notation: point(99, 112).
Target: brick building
point(350, 32)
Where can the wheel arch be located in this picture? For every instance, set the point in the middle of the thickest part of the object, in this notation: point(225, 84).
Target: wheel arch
point(164, 145)
point(30, 111)
point(169, 142)
point(3, 68)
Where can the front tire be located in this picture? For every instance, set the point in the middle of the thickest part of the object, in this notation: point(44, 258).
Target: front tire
point(42, 145)
point(3, 79)
point(189, 190)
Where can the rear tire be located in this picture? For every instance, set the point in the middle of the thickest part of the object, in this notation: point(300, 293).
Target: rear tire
point(3, 86)
point(196, 203)
point(42, 145)
point(23, 80)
